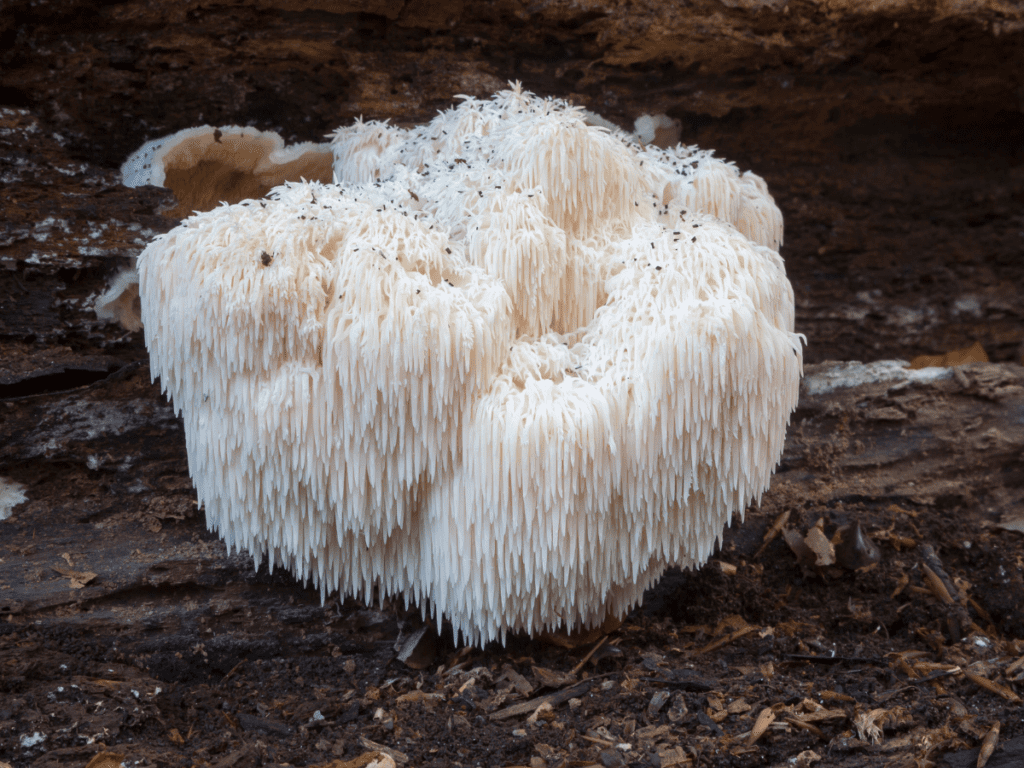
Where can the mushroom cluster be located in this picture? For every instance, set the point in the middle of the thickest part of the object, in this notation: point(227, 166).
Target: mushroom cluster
point(509, 366)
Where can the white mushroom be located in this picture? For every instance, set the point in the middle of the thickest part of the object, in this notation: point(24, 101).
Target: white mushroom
point(509, 367)
point(205, 166)
point(120, 302)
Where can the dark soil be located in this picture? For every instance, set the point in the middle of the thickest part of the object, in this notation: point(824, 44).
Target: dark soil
point(127, 628)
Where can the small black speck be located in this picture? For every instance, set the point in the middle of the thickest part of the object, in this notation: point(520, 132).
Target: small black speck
point(216, 135)
point(693, 239)
point(658, 268)
point(447, 250)
point(266, 258)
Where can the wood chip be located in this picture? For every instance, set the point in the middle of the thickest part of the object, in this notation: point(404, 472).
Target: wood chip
point(854, 549)
point(419, 648)
point(771, 533)
point(988, 746)
point(590, 653)
point(522, 686)
point(1018, 664)
point(544, 708)
point(559, 697)
point(833, 696)
point(106, 760)
point(991, 686)
point(365, 760)
point(547, 678)
point(731, 637)
point(394, 754)
point(972, 354)
point(811, 728)
point(419, 697)
point(766, 718)
point(936, 586)
point(79, 579)
point(738, 707)
point(824, 550)
point(673, 756)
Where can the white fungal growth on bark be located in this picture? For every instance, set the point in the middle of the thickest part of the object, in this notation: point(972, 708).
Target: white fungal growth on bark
point(510, 366)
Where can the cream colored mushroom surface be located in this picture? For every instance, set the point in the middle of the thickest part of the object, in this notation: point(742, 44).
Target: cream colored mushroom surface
point(509, 366)
point(206, 165)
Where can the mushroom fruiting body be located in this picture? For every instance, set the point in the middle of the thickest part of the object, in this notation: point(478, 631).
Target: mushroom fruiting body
point(509, 366)
point(207, 165)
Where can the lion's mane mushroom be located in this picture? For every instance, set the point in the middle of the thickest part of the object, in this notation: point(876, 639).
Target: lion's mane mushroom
point(510, 366)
